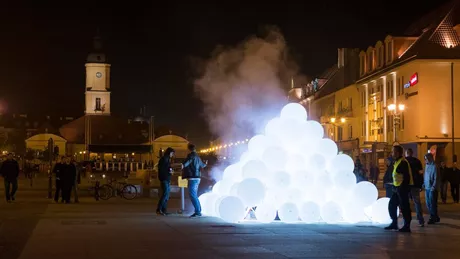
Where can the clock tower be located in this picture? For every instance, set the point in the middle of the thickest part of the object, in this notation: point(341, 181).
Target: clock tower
point(97, 94)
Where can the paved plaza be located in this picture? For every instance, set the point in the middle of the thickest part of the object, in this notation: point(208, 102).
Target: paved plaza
point(35, 228)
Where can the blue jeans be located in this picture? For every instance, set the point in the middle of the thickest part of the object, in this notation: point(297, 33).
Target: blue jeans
point(163, 202)
point(432, 203)
point(14, 184)
point(388, 190)
point(193, 184)
point(415, 196)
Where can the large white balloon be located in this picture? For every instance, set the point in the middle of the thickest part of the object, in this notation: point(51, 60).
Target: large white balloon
point(304, 179)
point(344, 180)
point(265, 212)
point(294, 111)
point(280, 180)
point(208, 203)
point(296, 162)
point(251, 191)
point(317, 162)
point(276, 197)
point(231, 209)
point(255, 169)
point(313, 131)
point(294, 195)
point(327, 148)
point(223, 187)
point(364, 194)
point(275, 158)
point(352, 213)
point(331, 212)
point(288, 212)
point(310, 212)
point(379, 212)
point(341, 162)
point(257, 145)
point(274, 128)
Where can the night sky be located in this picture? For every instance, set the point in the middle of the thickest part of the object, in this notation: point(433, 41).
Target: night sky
point(43, 47)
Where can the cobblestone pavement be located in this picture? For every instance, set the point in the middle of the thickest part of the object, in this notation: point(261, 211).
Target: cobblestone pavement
point(35, 228)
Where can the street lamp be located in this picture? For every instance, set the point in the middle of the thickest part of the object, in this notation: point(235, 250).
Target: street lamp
point(332, 121)
point(396, 117)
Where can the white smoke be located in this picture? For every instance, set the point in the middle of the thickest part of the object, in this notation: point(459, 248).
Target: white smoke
point(245, 85)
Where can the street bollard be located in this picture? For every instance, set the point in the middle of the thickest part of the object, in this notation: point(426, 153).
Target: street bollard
point(182, 199)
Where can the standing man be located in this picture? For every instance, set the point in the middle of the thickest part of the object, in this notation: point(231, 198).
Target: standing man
point(415, 190)
point(402, 181)
point(388, 178)
point(455, 183)
point(444, 175)
point(193, 166)
point(67, 179)
point(164, 175)
point(57, 170)
point(431, 183)
point(10, 172)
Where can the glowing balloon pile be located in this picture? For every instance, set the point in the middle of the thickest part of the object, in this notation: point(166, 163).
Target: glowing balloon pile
point(293, 172)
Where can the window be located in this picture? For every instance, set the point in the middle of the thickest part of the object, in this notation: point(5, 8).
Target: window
point(398, 87)
point(350, 104)
point(402, 85)
point(98, 104)
point(350, 132)
point(340, 108)
point(339, 133)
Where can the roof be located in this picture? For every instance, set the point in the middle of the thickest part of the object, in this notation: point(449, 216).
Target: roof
point(105, 130)
point(436, 37)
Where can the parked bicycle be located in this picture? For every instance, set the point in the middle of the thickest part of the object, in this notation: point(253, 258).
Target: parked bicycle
point(99, 191)
point(115, 188)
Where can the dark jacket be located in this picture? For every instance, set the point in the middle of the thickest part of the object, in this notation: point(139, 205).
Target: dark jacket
point(455, 176)
point(68, 174)
point(10, 169)
point(192, 166)
point(444, 173)
point(164, 169)
point(416, 167)
point(57, 170)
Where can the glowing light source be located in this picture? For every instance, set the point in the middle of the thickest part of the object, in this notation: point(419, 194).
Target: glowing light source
point(295, 172)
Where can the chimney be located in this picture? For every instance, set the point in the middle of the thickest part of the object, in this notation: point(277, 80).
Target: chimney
point(341, 57)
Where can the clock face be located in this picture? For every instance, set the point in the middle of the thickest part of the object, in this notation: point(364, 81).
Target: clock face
point(98, 74)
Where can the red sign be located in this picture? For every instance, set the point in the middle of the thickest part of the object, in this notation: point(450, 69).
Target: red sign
point(413, 79)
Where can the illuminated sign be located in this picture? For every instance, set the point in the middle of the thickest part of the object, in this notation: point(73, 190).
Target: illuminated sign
point(413, 81)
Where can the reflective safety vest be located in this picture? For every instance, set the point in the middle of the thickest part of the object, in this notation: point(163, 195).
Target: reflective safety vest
point(399, 178)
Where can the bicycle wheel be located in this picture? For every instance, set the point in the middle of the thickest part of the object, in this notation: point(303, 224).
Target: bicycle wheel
point(129, 192)
point(105, 192)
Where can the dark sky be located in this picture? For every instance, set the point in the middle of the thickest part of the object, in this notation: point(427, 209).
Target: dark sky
point(43, 47)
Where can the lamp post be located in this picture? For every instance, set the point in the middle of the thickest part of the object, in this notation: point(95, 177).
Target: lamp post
point(396, 111)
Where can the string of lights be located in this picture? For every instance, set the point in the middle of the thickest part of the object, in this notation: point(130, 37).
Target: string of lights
point(224, 146)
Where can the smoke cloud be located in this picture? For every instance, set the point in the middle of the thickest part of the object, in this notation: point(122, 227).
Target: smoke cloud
point(243, 86)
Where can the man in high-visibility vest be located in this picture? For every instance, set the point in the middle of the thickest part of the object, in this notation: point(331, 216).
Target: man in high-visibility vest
point(402, 181)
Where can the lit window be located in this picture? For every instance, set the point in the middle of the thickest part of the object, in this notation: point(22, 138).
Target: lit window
point(98, 104)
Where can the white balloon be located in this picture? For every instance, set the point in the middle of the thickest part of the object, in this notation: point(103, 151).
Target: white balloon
point(246, 156)
point(303, 179)
point(276, 197)
point(255, 169)
point(331, 212)
point(233, 172)
point(380, 212)
point(296, 162)
point(341, 162)
point(353, 213)
point(313, 131)
point(234, 189)
point(216, 206)
point(316, 162)
point(364, 194)
point(265, 212)
point(280, 180)
point(224, 187)
point(294, 111)
point(216, 188)
point(203, 199)
point(208, 204)
point(251, 191)
point(327, 148)
point(294, 195)
point(310, 212)
point(257, 145)
point(274, 128)
point(231, 209)
point(344, 180)
point(288, 212)
point(275, 158)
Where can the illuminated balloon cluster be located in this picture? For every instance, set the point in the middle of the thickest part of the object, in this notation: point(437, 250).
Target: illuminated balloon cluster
point(293, 172)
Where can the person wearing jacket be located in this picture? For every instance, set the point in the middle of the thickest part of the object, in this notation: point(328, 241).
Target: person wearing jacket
point(164, 175)
point(67, 176)
point(192, 173)
point(455, 183)
point(431, 183)
point(444, 175)
point(388, 178)
point(57, 174)
point(10, 172)
point(402, 181)
point(416, 189)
